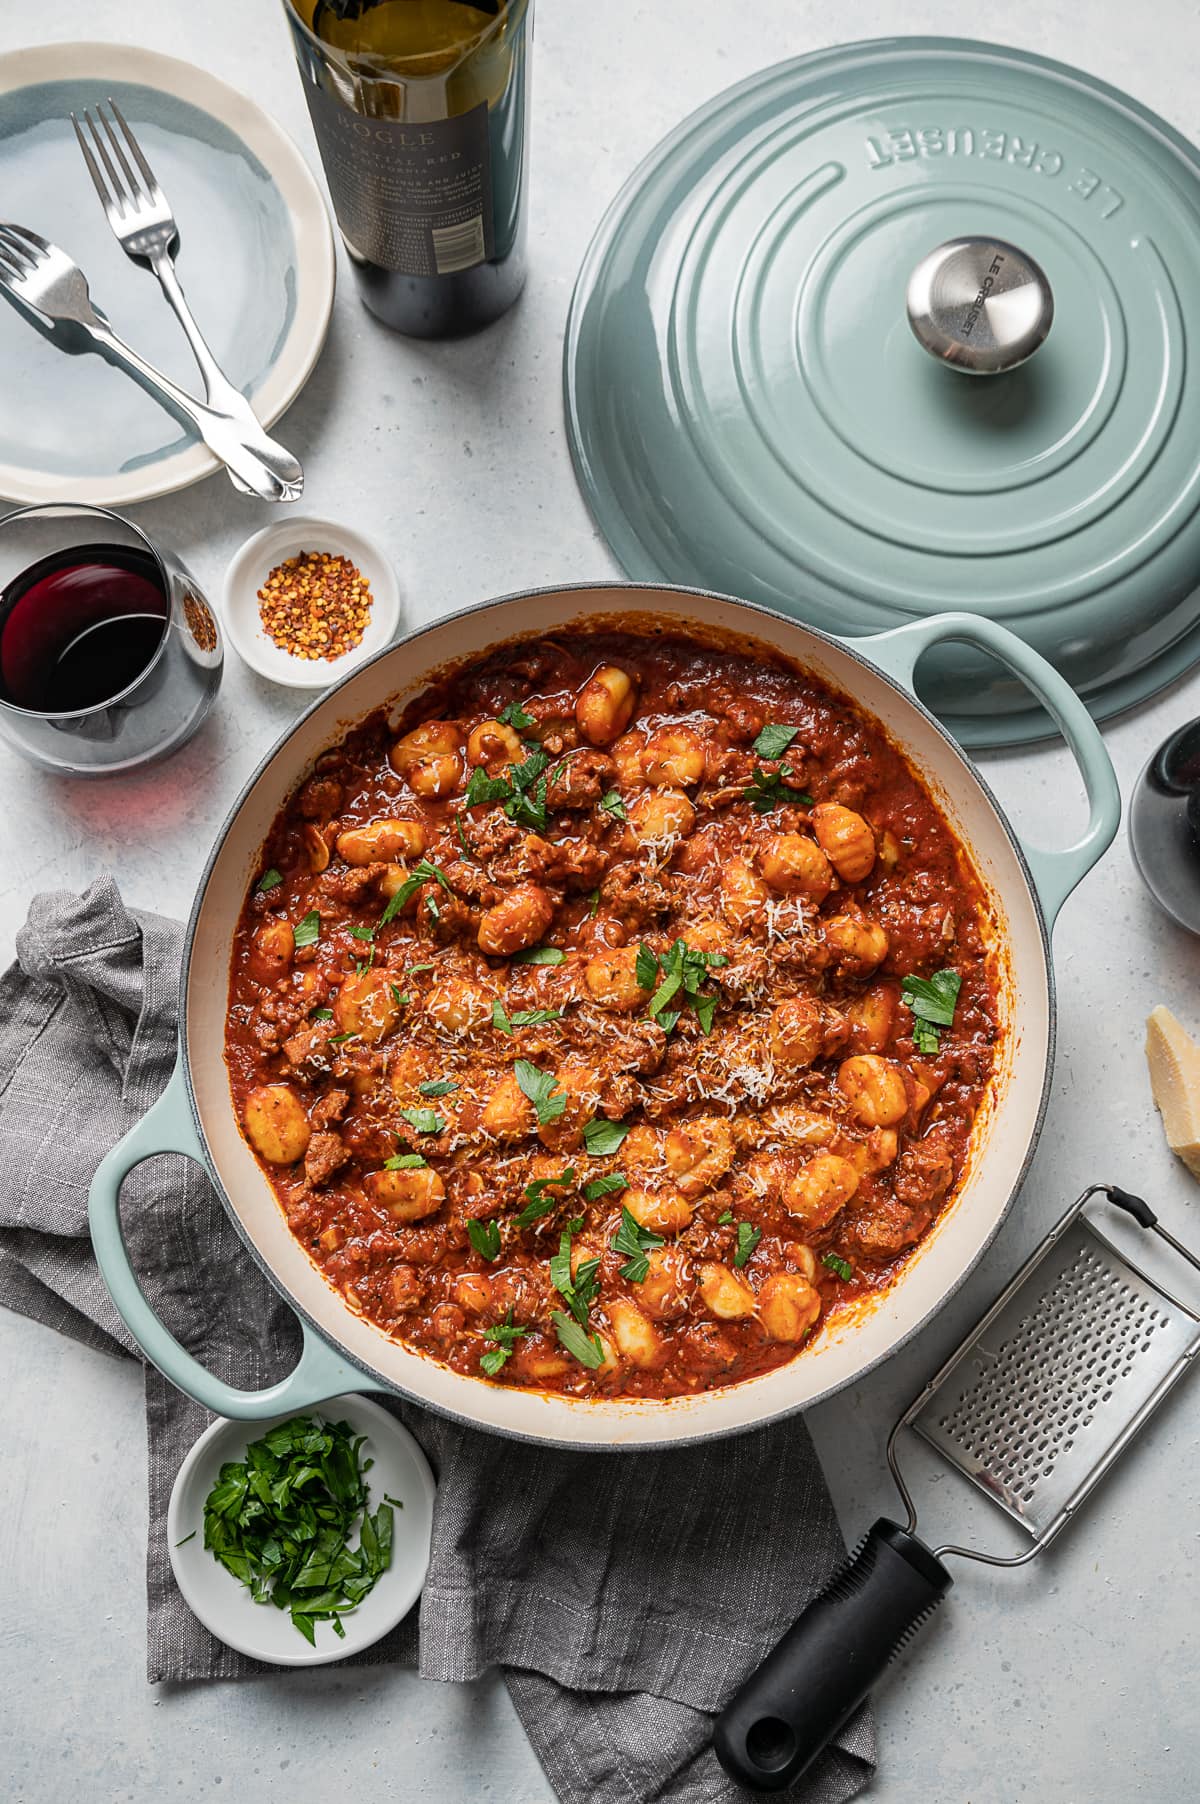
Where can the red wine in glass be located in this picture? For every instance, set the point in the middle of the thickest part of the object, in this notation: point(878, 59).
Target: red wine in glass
point(78, 628)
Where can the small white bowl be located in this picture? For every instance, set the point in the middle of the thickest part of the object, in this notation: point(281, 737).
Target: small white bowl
point(223, 1603)
point(254, 563)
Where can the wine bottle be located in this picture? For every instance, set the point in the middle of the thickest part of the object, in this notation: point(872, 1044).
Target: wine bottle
point(421, 113)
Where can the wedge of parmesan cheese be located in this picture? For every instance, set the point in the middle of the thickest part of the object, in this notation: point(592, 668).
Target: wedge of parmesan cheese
point(1174, 1060)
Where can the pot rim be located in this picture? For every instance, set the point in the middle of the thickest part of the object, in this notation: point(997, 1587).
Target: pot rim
point(667, 1439)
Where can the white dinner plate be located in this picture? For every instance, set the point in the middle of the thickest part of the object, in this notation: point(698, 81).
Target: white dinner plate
point(255, 257)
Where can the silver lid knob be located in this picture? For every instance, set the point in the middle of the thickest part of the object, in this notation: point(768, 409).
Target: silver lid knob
point(980, 305)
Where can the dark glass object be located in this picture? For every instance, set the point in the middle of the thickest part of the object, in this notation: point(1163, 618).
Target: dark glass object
point(421, 114)
point(109, 655)
point(79, 627)
point(1164, 826)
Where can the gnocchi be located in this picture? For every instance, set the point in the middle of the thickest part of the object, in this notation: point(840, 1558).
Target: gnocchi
point(382, 842)
point(430, 758)
point(276, 1124)
point(602, 1083)
point(520, 919)
point(605, 705)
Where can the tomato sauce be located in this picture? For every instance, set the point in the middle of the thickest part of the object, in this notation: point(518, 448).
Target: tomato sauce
point(569, 1019)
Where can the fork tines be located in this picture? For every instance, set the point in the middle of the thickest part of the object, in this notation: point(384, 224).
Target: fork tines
point(114, 192)
point(19, 248)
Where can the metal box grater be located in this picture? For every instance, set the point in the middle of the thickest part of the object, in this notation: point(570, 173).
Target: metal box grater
point(1054, 1383)
point(1033, 1407)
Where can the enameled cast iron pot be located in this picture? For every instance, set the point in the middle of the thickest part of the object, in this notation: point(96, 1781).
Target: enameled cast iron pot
point(343, 1351)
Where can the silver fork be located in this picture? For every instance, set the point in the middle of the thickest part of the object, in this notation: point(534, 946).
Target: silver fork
point(49, 283)
point(144, 226)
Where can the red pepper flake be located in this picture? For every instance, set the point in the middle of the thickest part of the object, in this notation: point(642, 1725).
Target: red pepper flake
point(315, 605)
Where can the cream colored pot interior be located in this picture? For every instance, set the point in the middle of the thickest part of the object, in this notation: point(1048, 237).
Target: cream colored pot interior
point(841, 1352)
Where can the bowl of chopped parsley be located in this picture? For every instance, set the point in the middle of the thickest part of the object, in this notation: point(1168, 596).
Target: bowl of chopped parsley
point(306, 1538)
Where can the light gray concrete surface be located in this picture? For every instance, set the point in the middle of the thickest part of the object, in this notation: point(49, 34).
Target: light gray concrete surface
point(1071, 1682)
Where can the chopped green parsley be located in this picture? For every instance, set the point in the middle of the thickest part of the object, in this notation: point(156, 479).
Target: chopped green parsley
point(541, 1087)
point(774, 740)
point(932, 1001)
point(485, 1238)
point(747, 1239)
point(635, 1242)
point(308, 932)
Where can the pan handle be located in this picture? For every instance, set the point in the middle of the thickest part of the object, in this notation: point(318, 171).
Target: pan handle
point(793, 1705)
point(1055, 874)
point(319, 1373)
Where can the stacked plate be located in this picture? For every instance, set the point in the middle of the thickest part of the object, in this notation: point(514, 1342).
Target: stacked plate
point(255, 257)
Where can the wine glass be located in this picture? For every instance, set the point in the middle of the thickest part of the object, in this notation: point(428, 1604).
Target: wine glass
point(110, 657)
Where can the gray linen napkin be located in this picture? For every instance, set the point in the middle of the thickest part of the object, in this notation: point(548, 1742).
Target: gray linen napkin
point(624, 1595)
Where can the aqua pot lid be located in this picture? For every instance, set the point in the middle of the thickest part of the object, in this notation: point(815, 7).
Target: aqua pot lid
point(751, 410)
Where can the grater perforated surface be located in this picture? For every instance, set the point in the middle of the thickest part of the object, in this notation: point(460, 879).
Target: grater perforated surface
point(1051, 1384)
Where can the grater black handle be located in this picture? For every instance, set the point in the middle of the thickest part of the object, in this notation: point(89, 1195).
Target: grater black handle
point(774, 1727)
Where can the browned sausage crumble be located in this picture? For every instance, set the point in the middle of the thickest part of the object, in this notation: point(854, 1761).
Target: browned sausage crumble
point(572, 1018)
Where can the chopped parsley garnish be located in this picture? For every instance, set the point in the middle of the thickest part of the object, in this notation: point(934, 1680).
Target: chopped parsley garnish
point(421, 873)
point(362, 933)
point(403, 1162)
point(437, 1086)
point(515, 716)
point(769, 789)
point(399, 996)
point(616, 1180)
point(503, 1337)
point(426, 1121)
point(539, 955)
point(483, 788)
point(678, 975)
point(612, 804)
point(522, 790)
point(593, 904)
point(604, 1137)
point(726, 1215)
point(321, 1014)
point(645, 967)
point(539, 1201)
point(578, 1291)
point(635, 1242)
point(524, 777)
point(341, 1039)
point(747, 1239)
point(413, 969)
point(932, 1001)
point(485, 1238)
point(839, 1266)
point(774, 740)
point(309, 930)
point(462, 839)
point(586, 1348)
point(524, 1017)
point(705, 1008)
point(268, 881)
point(541, 1087)
point(281, 1521)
